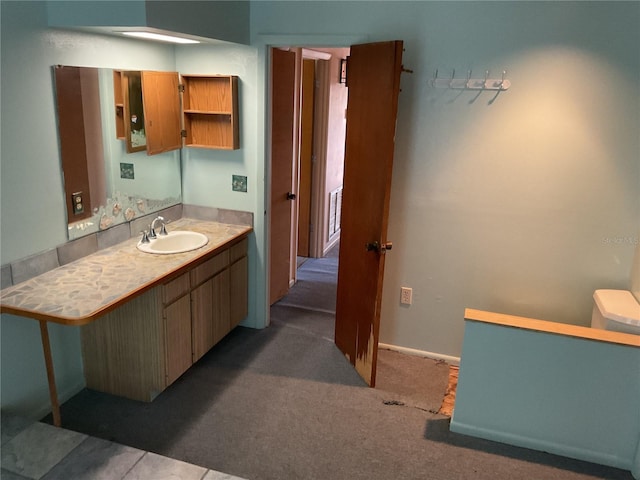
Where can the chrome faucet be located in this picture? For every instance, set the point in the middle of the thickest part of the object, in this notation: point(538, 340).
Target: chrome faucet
point(152, 228)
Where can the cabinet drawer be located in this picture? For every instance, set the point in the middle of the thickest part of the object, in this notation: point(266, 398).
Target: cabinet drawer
point(209, 268)
point(175, 289)
point(239, 250)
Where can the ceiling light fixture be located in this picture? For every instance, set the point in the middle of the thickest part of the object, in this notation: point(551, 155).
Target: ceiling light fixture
point(160, 37)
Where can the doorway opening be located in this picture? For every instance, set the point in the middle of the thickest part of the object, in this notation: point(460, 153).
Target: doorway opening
point(308, 138)
point(373, 73)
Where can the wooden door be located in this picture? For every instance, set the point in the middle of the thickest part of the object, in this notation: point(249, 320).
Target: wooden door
point(373, 79)
point(306, 153)
point(282, 135)
point(73, 141)
point(161, 100)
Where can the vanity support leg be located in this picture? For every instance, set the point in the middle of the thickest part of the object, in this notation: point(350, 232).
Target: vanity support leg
point(48, 360)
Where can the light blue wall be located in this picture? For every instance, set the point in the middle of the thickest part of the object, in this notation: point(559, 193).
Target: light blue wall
point(524, 205)
point(579, 399)
point(207, 174)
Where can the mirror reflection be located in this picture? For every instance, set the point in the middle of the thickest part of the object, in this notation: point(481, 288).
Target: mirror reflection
point(133, 98)
point(107, 179)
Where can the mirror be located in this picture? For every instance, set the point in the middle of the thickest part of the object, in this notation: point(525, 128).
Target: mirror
point(136, 139)
point(106, 182)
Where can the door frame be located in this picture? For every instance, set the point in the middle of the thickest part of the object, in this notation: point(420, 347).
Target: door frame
point(320, 138)
point(320, 122)
point(264, 44)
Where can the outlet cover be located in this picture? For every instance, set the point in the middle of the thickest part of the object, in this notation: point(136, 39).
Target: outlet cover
point(406, 295)
point(126, 171)
point(239, 183)
point(77, 202)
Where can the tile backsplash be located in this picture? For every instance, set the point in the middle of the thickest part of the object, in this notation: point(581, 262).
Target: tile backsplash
point(34, 265)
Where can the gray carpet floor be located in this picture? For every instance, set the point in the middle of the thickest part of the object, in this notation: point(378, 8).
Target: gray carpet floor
point(283, 403)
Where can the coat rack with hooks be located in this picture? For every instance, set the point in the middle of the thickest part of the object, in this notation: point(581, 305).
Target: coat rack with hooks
point(469, 83)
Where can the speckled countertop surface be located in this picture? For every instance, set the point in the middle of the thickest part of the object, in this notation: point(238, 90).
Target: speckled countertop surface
point(77, 293)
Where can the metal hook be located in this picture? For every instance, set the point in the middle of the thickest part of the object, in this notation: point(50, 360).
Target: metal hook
point(453, 75)
point(468, 84)
point(504, 73)
point(486, 77)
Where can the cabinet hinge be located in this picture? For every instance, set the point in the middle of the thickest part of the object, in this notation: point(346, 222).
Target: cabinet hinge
point(183, 133)
point(181, 88)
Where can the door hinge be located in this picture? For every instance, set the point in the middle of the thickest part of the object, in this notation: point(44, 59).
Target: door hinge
point(183, 133)
point(181, 88)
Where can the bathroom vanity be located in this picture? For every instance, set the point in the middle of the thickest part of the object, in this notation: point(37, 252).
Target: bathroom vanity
point(142, 347)
point(144, 318)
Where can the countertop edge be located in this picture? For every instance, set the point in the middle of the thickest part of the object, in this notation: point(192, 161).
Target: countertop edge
point(554, 328)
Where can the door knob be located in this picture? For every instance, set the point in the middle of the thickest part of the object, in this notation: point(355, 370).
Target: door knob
point(377, 247)
point(291, 196)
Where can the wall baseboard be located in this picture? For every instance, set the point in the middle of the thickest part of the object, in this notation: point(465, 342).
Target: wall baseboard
point(421, 353)
point(541, 445)
point(38, 412)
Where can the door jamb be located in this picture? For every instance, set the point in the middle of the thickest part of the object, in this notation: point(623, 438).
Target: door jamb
point(319, 168)
point(264, 44)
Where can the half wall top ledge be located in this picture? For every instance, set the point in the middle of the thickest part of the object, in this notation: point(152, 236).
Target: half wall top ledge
point(216, 20)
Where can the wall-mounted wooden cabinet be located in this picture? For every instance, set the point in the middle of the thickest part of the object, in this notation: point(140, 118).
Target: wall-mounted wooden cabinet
point(208, 117)
point(143, 346)
point(210, 107)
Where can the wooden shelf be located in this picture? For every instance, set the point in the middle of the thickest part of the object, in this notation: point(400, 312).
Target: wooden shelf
point(210, 105)
point(204, 112)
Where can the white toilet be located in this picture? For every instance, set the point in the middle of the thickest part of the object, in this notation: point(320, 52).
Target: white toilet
point(619, 310)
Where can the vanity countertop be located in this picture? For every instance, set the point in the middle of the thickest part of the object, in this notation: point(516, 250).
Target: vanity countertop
point(81, 291)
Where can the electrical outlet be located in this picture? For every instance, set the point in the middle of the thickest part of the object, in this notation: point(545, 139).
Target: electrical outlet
point(406, 295)
point(78, 204)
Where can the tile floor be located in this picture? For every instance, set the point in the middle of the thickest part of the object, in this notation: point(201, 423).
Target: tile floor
point(34, 450)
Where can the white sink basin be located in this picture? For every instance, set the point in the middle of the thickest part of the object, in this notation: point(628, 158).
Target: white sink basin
point(174, 242)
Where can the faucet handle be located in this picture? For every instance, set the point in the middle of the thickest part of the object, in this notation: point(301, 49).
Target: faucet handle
point(163, 230)
point(145, 237)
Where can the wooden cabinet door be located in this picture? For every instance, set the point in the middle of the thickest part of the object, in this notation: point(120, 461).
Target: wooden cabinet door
point(239, 290)
point(177, 327)
point(161, 100)
point(221, 305)
point(210, 310)
point(202, 319)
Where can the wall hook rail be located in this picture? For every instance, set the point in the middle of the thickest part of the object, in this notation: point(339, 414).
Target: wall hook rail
point(470, 83)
